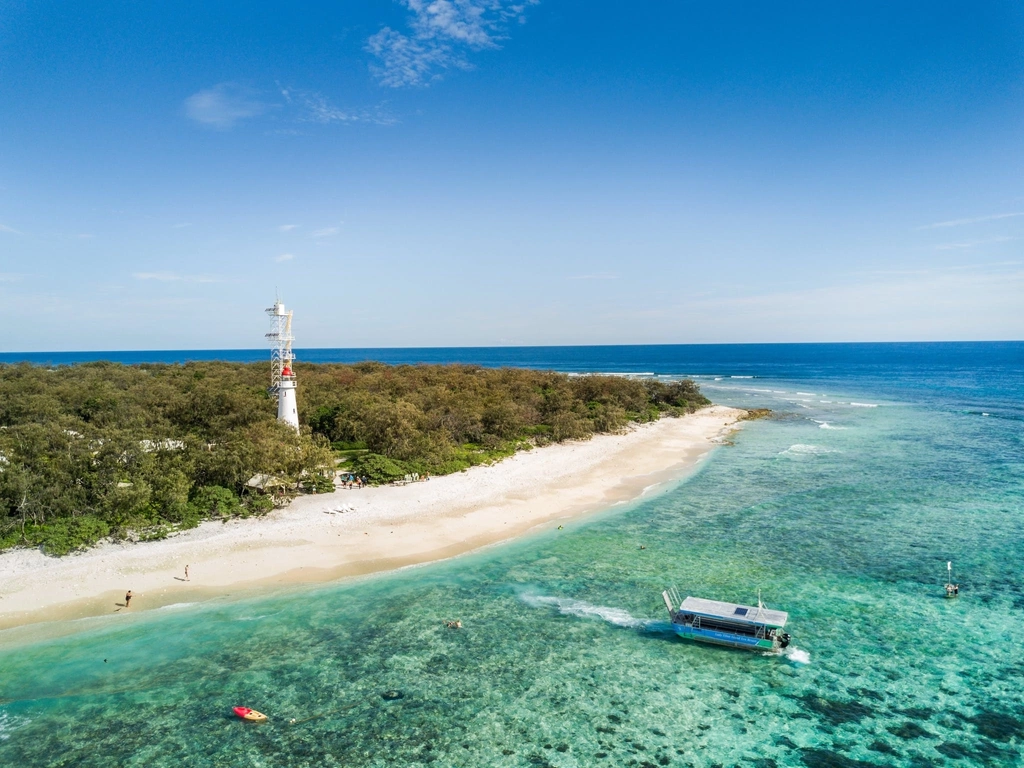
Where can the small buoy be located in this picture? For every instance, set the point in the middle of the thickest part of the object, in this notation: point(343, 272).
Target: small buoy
point(250, 714)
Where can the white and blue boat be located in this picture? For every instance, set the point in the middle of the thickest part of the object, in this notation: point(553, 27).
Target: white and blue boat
point(729, 624)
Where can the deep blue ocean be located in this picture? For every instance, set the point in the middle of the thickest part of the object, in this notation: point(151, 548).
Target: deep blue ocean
point(881, 462)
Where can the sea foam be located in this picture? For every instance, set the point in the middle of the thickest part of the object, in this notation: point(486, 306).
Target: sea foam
point(9, 723)
point(798, 655)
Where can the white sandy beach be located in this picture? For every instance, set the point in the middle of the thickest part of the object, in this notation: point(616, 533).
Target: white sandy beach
point(378, 528)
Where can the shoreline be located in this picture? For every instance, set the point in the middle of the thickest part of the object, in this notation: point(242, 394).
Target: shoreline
point(382, 529)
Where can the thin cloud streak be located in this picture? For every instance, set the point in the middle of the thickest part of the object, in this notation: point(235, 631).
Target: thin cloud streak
point(284, 257)
point(317, 109)
point(225, 105)
point(10, 230)
point(971, 244)
point(171, 277)
point(975, 220)
point(287, 227)
point(325, 232)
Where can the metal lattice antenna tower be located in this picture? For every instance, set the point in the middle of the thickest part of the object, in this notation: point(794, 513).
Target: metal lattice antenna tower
point(280, 338)
point(282, 377)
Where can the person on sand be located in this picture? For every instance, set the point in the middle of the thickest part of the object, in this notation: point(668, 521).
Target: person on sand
point(186, 573)
point(127, 598)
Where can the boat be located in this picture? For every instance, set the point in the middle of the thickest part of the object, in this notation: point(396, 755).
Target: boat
point(250, 714)
point(729, 624)
point(952, 590)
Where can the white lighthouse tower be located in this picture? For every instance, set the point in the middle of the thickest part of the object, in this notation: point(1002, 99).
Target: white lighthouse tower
point(282, 377)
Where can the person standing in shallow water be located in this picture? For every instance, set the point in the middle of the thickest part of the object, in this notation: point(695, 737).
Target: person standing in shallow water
point(127, 598)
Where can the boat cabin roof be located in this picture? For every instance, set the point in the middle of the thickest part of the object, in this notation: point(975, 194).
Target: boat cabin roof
point(744, 614)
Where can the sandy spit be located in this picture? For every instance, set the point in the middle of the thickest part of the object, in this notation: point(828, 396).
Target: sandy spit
point(330, 536)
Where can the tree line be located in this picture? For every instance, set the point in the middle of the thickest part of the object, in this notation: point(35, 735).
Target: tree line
point(104, 449)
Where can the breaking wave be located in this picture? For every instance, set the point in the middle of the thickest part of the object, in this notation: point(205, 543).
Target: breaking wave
point(174, 606)
point(802, 449)
point(826, 425)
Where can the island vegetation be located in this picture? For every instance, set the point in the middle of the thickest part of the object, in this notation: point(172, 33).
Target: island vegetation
point(108, 450)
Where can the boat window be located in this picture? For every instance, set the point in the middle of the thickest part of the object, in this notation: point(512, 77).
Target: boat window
point(740, 612)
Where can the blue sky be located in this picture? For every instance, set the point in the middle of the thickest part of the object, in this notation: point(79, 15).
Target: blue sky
point(478, 172)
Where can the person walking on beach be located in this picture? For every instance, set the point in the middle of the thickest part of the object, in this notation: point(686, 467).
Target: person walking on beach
point(186, 573)
point(127, 598)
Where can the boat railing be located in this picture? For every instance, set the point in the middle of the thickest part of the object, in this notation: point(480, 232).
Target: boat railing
point(673, 595)
point(758, 631)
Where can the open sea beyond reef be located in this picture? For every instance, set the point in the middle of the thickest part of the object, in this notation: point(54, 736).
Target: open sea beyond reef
point(881, 462)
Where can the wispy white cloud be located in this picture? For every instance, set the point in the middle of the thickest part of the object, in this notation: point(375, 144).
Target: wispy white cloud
point(442, 32)
point(10, 277)
point(317, 109)
point(406, 61)
point(287, 227)
point(171, 277)
point(974, 220)
point(945, 269)
point(596, 276)
point(971, 244)
point(325, 232)
point(224, 105)
point(978, 301)
point(285, 257)
point(10, 230)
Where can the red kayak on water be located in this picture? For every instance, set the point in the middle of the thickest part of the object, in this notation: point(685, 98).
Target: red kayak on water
point(250, 714)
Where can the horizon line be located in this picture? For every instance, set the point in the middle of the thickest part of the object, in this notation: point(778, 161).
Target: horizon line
point(519, 346)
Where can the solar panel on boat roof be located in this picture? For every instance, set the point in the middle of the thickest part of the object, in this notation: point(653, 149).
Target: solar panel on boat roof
point(732, 611)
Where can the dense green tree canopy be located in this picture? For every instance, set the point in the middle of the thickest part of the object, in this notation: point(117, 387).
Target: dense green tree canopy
point(101, 449)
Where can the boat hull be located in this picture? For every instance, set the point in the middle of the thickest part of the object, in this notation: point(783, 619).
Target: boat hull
point(726, 639)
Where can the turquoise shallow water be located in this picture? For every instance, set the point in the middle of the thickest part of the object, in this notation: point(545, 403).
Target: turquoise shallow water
point(842, 514)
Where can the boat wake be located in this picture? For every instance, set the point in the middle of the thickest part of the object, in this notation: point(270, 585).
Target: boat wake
point(620, 617)
point(571, 607)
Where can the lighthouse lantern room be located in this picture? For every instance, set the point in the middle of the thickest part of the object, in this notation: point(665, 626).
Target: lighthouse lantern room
point(282, 377)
